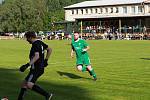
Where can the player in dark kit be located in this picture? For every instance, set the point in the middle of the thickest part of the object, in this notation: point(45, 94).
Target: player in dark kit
point(38, 62)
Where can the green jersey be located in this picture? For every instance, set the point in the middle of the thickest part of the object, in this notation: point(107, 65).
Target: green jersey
point(82, 56)
point(78, 47)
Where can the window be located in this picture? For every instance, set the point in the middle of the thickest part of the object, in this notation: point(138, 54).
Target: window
point(125, 10)
point(133, 9)
point(148, 8)
point(111, 10)
point(96, 10)
point(81, 11)
point(117, 10)
point(100, 10)
point(91, 11)
point(77, 11)
point(106, 10)
point(86, 11)
point(72, 12)
point(140, 9)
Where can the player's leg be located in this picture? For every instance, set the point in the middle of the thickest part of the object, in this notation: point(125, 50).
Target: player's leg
point(91, 71)
point(39, 90)
point(89, 68)
point(24, 87)
point(84, 68)
point(22, 91)
point(80, 66)
point(31, 83)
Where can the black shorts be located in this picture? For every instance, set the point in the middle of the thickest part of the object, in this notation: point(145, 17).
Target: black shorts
point(34, 75)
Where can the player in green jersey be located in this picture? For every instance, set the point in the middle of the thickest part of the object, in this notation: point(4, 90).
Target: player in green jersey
point(80, 47)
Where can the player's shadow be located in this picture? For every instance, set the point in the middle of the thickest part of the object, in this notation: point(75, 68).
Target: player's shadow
point(11, 80)
point(145, 58)
point(70, 75)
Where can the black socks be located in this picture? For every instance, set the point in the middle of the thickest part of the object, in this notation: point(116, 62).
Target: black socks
point(21, 94)
point(39, 90)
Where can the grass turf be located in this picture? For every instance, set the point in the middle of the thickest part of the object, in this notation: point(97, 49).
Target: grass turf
point(122, 67)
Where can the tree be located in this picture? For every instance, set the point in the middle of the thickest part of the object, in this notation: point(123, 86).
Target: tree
point(35, 15)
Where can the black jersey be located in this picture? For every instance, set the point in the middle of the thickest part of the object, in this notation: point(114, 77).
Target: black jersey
point(38, 46)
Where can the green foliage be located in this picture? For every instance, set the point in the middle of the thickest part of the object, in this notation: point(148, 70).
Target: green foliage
point(35, 15)
point(22, 15)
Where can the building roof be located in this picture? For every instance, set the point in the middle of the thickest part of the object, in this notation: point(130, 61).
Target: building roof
point(104, 3)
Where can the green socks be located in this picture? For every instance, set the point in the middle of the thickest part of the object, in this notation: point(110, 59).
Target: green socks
point(92, 73)
point(84, 68)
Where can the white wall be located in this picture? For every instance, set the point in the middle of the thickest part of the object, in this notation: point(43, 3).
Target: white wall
point(71, 17)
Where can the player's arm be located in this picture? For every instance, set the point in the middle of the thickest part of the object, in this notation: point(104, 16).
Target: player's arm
point(48, 53)
point(35, 58)
point(72, 38)
point(86, 48)
point(72, 53)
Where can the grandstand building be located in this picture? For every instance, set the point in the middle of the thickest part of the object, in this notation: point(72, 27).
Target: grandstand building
point(98, 16)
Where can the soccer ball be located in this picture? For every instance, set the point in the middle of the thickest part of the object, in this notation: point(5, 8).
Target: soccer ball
point(5, 98)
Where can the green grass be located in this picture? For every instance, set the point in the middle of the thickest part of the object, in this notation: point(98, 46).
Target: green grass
point(123, 69)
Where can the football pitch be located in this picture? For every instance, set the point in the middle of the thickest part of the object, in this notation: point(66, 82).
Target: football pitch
point(122, 68)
